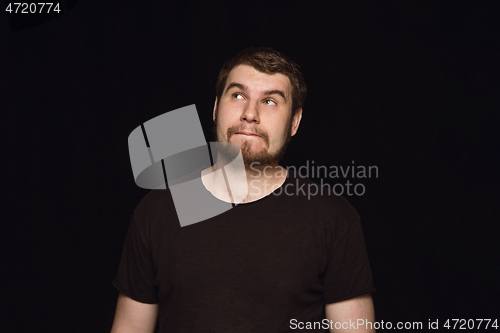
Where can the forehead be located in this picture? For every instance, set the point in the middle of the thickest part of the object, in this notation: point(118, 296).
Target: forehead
point(258, 81)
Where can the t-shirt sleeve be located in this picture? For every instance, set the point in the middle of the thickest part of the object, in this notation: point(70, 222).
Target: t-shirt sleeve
point(136, 273)
point(348, 273)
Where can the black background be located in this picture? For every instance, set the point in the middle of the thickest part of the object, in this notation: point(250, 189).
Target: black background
point(412, 87)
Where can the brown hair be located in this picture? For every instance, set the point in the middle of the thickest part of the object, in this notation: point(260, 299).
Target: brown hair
point(266, 60)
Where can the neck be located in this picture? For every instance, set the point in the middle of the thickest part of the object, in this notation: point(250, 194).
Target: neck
point(237, 185)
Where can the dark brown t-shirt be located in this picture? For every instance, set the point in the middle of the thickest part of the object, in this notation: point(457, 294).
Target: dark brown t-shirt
point(258, 267)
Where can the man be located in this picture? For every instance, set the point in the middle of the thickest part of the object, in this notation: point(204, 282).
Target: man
point(278, 261)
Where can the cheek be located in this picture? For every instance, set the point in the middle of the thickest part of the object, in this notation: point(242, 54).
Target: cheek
point(225, 118)
point(281, 129)
point(222, 125)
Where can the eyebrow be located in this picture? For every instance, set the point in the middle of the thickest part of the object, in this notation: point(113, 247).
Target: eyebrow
point(243, 87)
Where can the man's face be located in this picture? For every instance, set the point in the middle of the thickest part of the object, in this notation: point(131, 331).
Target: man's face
point(254, 112)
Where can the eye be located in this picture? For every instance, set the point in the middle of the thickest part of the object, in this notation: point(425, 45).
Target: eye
point(237, 96)
point(267, 101)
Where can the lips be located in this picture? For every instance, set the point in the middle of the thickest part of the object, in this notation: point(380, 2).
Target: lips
point(248, 133)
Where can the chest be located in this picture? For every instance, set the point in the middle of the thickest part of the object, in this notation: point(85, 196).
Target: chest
point(278, 259)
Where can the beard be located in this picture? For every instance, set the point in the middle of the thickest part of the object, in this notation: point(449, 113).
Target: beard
point(249, 154)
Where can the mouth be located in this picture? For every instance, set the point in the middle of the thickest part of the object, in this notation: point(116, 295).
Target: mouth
point(251, 134)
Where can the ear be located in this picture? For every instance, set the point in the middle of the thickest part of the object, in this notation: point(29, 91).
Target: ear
point(296, 121)
point(215, 109)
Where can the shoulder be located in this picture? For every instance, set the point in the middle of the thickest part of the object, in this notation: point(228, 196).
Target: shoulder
point(160, 202)
point(320, 198)
point(155, 207)
point(329, 214)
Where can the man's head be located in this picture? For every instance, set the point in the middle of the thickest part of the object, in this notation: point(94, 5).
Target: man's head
point(259, 98)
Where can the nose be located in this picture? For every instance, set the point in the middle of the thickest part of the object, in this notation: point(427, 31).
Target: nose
point(250, 113)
